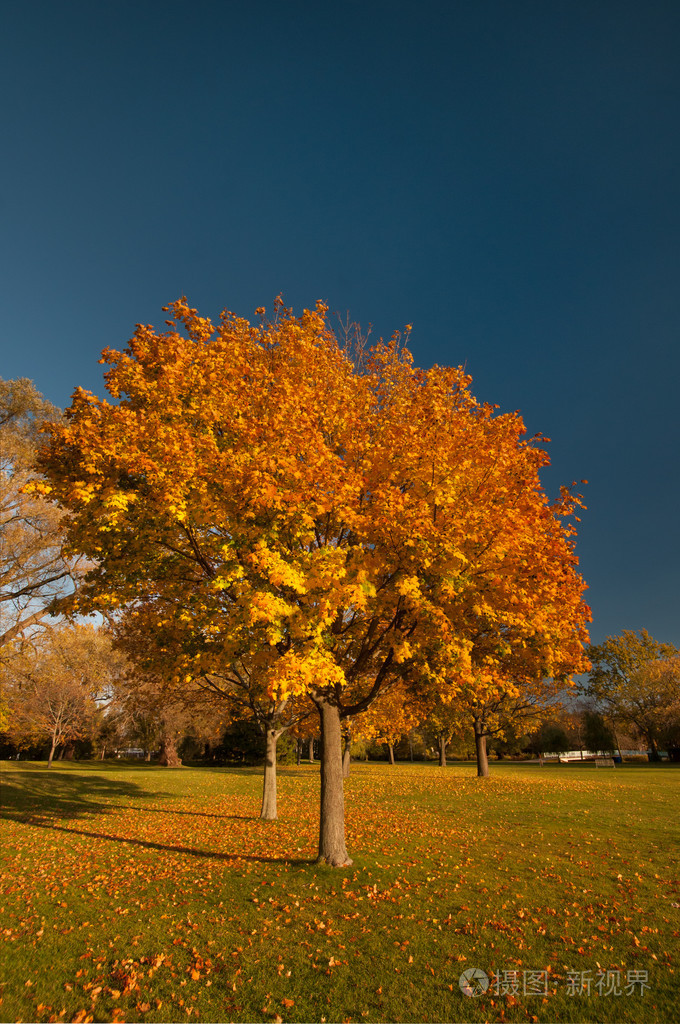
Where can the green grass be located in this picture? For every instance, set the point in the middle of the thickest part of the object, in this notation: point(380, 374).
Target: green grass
point(140, 893)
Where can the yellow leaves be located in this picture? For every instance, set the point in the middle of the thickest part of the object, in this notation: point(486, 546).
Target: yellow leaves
point(251, 475)
point(409, 587)
point(279, 572)
point(267, 608)
point(297, 674)
point(402, 652)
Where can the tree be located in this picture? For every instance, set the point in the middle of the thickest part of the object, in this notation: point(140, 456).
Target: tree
point(35, 577)
point(495, 711)
point(636, 679)
point(550, 737)
point(52, 687)
point(236, 684)
point(391, 717)
point(342, 520)
point(597, 735)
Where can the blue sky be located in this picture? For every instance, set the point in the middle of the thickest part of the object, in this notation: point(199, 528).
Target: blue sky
point(503, 175)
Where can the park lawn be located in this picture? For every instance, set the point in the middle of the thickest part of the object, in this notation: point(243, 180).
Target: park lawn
point(137, 893)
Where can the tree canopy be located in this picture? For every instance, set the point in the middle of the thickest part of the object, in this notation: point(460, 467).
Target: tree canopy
point(637, 680)
point(337, 525)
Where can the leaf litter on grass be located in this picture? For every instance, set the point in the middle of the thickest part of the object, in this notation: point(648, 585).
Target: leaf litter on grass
point(187, 904)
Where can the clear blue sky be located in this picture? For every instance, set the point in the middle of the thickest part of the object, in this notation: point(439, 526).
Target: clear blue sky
point(503, 175)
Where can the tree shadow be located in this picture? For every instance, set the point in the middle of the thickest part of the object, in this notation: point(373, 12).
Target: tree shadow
point(148, 844)
point(230, 769)
point(45, 800)
point(31, 796)
point(195, 814)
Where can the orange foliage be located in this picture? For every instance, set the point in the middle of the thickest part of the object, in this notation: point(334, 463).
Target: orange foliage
point(336, 528)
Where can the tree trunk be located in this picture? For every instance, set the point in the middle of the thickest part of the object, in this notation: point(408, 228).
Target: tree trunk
point(69, 751)
point(616, 740)
point(51, 757)
point(311, 750)
point(653, 750)
point(410, 745)
point(346, 757)
point(390, 751)
point(298, 751)
point(480, 750)
point(268, 812)
point(442, 750)
point(332, 848)
point(103, 754)
point(147, 755)
point(168, 755)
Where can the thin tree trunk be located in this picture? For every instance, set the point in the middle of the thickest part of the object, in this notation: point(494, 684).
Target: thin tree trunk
point(332, 849)
point(480, 750)
point(390, 751)
point(299, 751)
point(311, 750)
point(147, 755)
point(103, 754)
point(442, 750)
point(346, 757)
point(654, 750)
point(168, 755)
point(268, 812)
point(616, 740)
point(51, 757)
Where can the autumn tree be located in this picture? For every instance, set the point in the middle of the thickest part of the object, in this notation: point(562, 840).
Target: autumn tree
point(391, 717)
point(636, 680)
point(343, 522)
point(444, 721)
point(509, 704)
point(178, 647)
point(147, 712)
point(53, 686)
point(35, 578)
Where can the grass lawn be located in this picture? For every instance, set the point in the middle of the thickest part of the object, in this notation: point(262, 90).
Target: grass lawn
point(137, 893)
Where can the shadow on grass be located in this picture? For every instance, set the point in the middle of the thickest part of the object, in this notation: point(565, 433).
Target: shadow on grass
point(194, 814)
point(28, 795)
point(191, 851)
point(44, 800)
point(292, 771)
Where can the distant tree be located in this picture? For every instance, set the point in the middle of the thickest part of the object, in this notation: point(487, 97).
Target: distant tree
point(52, 686)
point(499, 710)
point(388, 719)
point(443, 722)
point(597, 735)
point(511, 741)
point(636, 680)
point(550, 738)
point(230, 683)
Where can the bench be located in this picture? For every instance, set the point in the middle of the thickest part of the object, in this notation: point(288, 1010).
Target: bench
point(604, 762)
